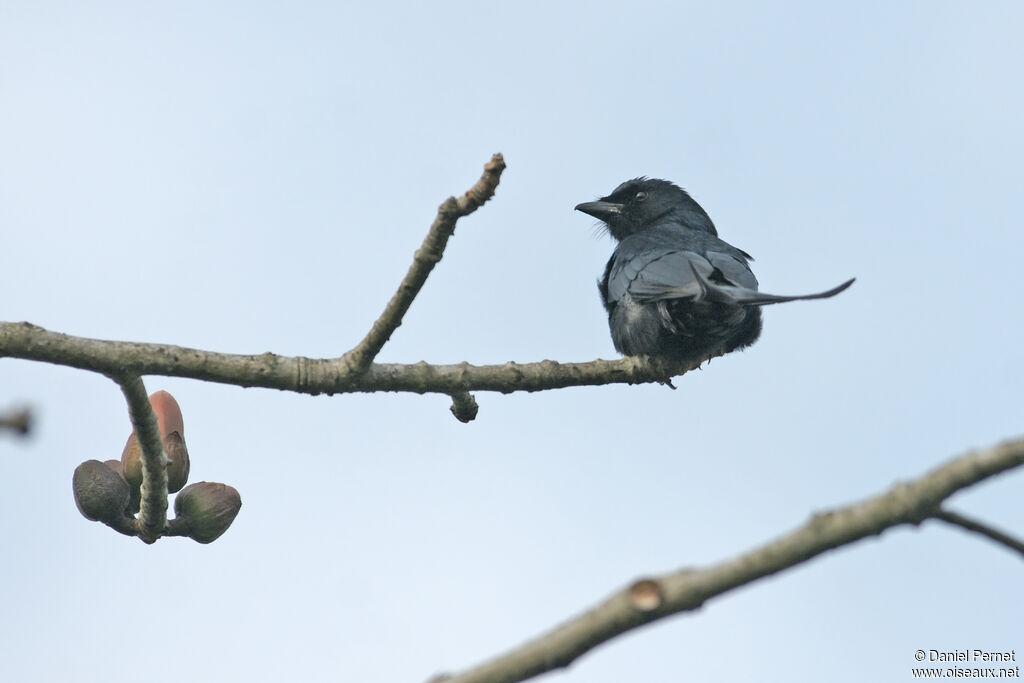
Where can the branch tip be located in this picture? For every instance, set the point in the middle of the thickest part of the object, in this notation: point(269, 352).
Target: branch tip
point(464, 406)
point(18, 421)
point(358, 360)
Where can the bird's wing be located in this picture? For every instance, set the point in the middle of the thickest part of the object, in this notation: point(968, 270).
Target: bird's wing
point(659, 274)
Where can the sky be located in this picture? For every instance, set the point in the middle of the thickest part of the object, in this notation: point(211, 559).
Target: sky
point(252, 177)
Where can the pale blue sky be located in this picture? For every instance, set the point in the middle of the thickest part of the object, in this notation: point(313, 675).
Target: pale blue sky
point(251, 177)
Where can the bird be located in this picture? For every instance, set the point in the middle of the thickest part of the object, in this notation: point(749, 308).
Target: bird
point(673, 289)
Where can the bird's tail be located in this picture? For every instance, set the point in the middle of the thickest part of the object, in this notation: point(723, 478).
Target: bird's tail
point(711, 291)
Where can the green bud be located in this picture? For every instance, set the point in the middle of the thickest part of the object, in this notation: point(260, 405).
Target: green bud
point(208, 508)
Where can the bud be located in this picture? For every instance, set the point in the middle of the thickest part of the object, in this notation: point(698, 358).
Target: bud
point(178, 465)
point(208, 508)
point(168, 414)
point(172, 435)
point(131, 461)
point(101, 494)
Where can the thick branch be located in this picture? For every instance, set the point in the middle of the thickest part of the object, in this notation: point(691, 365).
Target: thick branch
point(651, 599)
point(152, 519)
point(426, 257)
point(980, 528)
point(318, 376)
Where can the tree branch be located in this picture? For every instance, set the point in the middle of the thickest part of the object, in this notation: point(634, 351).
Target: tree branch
point(980, 528)
point(319, 376)
point(355, 371)
point(651, 599)
point(426, 257)
point(152, 520)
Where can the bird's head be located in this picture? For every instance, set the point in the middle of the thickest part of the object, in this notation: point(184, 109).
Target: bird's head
point(638, 204)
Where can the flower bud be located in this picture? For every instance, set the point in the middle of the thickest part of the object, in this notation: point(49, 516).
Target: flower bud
point(101, 494)
point(178, 465)
point(131, 461)
point(172, 435)
point(168, 414)
point(208, 508)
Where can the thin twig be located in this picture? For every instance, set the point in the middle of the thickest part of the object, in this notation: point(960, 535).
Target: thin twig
point(152, 520)
point(648, 600)
point(980, 528)
point(18, 421)
point(319, 376)
point(426, 257)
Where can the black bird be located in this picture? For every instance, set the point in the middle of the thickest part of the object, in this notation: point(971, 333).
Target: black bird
point(672, 288)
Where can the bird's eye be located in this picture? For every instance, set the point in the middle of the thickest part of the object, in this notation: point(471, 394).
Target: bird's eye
point(640, 196)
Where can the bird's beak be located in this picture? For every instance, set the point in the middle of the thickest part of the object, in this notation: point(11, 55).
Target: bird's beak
point(600, 210)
